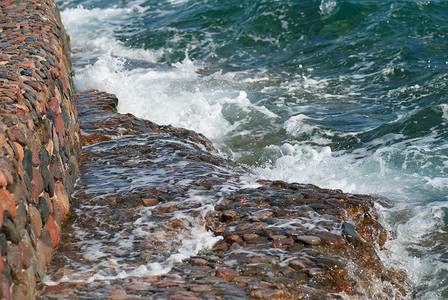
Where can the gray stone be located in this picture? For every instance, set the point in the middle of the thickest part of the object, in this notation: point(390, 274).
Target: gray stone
point(308, 239)
point(43, 209)
point(27, 162)
point(44, 158)
point(348, 230)
point(9, 228)
point(21, 217)
point(48, 182)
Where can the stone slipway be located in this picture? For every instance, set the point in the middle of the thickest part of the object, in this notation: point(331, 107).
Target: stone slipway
point(39, 141)
point(142, 187)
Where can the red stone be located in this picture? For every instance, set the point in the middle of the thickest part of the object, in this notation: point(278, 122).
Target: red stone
point(55, 288)
point(283, 243)
point(20, 151)
point(16, 135)
point(227, 274)
point(22, 106)
point(234, 238)
point(36, 220)
point(37, 185)
point(150, 279)
point(60, 129)
point(25, 256)
point(8, 202)
point(54, 105)
point(54, 232)
point(220, 246)
point(35, 158)
point(221, 230)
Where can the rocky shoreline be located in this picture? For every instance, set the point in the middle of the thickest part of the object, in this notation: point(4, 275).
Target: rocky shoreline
point(279, 240)
point(142, 186)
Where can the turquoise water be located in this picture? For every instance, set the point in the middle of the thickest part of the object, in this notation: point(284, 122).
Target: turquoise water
point(342, 94)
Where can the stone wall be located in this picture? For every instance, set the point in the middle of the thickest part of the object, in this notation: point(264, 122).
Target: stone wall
point(39, 141)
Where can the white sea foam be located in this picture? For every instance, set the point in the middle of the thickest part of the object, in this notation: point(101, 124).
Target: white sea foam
point(93, 30)
point(297, 125)
point(444, 108)
point(162, 96)
point(328, 7)
point(106, 259)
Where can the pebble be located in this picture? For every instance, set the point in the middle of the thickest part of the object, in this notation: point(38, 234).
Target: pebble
point(308, 239)
point(282, 243)
point(250, 236)
point(227, 274)
point(234, 238)
point(150, 201)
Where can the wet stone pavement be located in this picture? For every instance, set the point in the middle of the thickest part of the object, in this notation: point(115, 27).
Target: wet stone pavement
point(159, 214)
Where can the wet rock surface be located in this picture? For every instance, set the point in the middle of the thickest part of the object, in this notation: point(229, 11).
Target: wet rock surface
point(39, 141)
point(159, 214)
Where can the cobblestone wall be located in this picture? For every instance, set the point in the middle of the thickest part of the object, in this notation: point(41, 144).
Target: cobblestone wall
point(39, 141)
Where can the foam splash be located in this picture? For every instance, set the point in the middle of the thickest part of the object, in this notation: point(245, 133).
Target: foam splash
point(444, 108)
point(165, 96)
point(106, 267)
point(328, 7)
point(176, 94)
point(297, 125)
point(93, 30)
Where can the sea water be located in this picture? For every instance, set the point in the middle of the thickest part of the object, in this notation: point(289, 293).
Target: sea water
point(342, 94)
